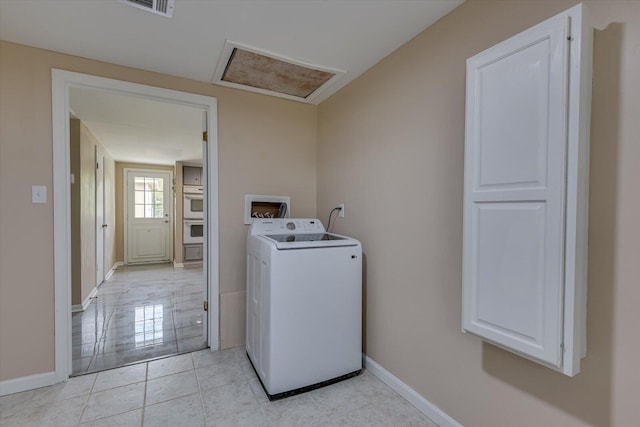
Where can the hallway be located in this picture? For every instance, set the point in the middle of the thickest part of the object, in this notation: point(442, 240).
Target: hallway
point(139, 313)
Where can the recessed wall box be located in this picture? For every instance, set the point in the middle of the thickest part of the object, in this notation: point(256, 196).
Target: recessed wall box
point(256, 206)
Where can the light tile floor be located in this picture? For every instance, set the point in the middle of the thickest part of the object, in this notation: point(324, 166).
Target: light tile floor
point(203, 389)
point(141, 312)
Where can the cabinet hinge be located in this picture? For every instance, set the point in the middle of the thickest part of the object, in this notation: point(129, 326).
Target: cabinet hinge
point(206, 306)
point(205, 136)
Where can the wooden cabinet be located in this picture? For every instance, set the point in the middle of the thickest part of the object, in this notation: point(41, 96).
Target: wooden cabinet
point(192, 253)
point(191, 175)
point(525, 192)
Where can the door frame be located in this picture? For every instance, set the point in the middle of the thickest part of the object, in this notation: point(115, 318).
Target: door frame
point(125, 210)
point(99, 227)
point(61, 83)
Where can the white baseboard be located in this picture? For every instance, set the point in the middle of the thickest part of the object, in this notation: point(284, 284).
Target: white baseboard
point(29, 382)
point(113, 269)
point(177, 264)
point(423, 405)
point(82, 307)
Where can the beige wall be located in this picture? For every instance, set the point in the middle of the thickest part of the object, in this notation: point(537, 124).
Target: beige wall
point(256, 135)
point(83, 213)
point(390, 146)
point(119, 170)
point(76, 253)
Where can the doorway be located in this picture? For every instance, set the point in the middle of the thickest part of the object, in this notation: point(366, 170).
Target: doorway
point(62, 83)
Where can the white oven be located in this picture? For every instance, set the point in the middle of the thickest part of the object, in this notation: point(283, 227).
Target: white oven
point(193, 231)
point(192, 202)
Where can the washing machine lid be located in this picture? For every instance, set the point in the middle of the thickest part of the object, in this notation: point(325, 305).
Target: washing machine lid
point(309, 240)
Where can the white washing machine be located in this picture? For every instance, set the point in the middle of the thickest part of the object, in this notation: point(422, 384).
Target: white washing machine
point(304, 305)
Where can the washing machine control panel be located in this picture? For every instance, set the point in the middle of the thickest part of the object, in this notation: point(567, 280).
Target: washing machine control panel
point(286, 225)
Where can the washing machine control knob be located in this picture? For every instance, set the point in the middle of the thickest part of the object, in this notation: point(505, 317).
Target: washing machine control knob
point(291, 226)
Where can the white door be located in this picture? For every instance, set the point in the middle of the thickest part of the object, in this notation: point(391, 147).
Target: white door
point(100, 220)
point(149, 216)
point(514, 191)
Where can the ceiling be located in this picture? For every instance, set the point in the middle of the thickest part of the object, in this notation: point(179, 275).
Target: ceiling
point(139, 130)
point(345, 35)
point(350, 36)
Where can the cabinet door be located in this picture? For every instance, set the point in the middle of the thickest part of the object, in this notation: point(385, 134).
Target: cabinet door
point(514, 192)
point(193, 252)
point(192, 175)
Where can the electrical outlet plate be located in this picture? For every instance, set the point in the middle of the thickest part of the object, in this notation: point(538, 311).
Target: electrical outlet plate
point(38, 194)
point(341, 213)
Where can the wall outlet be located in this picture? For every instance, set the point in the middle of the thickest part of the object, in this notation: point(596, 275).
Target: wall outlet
point(341, 212)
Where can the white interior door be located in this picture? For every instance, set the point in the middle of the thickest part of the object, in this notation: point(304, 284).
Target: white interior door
point(100, 220)
point(149, 216)
point(514, 213)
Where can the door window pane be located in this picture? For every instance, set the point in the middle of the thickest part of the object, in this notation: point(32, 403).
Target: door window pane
point(149, 198)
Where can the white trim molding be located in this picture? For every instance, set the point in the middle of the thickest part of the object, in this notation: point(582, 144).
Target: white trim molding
point(29, 382)
point(82, 307)
point(75, 308)
point(416, 399)
point(113, 270)
point(61, 83)
point(177, 264)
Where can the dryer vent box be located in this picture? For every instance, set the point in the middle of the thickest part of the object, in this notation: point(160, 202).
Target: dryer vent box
point(256, 206)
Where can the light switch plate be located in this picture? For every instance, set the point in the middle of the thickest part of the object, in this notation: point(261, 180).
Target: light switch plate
point(38, 194)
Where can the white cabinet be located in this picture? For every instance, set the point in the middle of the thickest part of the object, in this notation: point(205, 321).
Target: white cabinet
point(525, 192)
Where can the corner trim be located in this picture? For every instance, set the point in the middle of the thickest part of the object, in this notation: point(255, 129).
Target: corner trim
point(177, 264)
point(113, 269)
point(29, 382)
point(422, 404)
point(82, 307)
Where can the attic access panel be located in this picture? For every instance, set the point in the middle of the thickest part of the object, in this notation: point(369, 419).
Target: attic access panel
point(261, 71)
point(247, 68)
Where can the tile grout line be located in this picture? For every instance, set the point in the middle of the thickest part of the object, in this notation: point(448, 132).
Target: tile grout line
point(173, 317)
point(84, 408)
point(144, 398)
point(204, 416)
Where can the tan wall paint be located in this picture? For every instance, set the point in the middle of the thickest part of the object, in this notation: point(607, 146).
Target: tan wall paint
point(390, 146)
point(254, 131)
point(76, 253)
point(120, 166)
point(83, 201)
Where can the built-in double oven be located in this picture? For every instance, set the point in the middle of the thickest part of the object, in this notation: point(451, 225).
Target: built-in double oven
point(193, 224)
point(192, 202)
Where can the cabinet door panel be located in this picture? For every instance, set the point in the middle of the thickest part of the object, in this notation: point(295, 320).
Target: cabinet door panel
point(510, 272)
point(192, 175)
point(515, 154)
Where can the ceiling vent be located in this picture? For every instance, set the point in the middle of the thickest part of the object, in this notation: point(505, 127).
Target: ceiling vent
point(256, 70)
point(159, 7)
